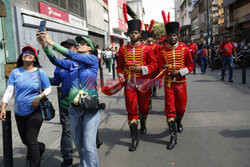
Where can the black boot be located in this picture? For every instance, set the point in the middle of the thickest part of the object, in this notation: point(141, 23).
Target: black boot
point(143, 129)
point(41, 148)
point(98, 140)
point(150, 104)
point(134, 135)
point(179, 124)
point(154, 92)
point(173, 135)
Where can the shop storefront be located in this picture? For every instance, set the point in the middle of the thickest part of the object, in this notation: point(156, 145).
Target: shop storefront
point(60, 26)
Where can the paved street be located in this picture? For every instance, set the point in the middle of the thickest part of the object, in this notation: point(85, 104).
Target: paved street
point(216, 129)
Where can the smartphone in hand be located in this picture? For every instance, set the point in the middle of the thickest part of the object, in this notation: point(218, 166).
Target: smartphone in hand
point(42, 26)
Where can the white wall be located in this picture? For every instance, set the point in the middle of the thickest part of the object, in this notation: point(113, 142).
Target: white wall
point(95, 13)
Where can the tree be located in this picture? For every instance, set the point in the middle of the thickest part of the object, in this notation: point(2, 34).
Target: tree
point(159, 29)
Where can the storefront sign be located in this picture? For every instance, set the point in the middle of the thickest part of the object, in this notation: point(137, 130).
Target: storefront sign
point(53, 12)
point(77, 22)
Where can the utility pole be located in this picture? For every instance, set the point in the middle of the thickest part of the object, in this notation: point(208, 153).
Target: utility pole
point(208, 24)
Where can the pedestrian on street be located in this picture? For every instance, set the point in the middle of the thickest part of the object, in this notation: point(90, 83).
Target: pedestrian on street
point(108, 59)
point(227, 50)
point(99, 55)
point(193, 48)
point(203, 60)
point(61, 76)
point(213, 52)
point(23, 83)
point(83, 67)
point(136, 62)
point(104, 51)
point(176, 55)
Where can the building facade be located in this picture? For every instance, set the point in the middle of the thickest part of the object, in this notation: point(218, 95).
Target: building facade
point(65, 19)
point(98, 21)
point(118, 26)
point(183, 9)
point(237, 19)
point(7, 43)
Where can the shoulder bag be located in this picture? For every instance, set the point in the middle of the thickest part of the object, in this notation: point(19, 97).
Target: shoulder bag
point(46, 107)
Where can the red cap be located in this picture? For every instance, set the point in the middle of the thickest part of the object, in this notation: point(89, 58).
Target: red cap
point(30, 48)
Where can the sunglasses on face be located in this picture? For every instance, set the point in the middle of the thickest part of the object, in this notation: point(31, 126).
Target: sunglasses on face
point(28, 52)
point(84, 43)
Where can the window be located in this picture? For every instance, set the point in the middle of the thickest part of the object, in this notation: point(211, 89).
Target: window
point(74, 6)
point(62, 4)
point(71, 5)
point(55, 2)
point(81, 8)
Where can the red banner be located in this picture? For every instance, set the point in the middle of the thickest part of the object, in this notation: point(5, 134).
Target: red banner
point(53, 12)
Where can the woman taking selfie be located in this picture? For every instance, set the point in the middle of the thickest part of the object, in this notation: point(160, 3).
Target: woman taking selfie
point(23, 83)
point(83, 68)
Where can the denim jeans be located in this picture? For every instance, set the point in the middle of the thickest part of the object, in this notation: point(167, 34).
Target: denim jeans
point(66, 138)
point(194, 60)
point(204, 62)
point(84, 127)
point(230, 62)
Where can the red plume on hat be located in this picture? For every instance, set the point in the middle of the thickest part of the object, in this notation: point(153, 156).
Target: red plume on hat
point(164, 17)
point(146, 27)
point(168, 17)
point(151, 26)
point(125, 12)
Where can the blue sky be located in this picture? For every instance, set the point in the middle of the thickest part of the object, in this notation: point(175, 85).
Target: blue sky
point(153, 9)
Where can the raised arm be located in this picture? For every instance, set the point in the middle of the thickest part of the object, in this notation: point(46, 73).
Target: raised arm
point(87, 59)
point(61, 63)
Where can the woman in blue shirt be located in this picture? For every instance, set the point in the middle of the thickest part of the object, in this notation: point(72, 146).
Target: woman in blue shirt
point(23, 82)
point(83, 68)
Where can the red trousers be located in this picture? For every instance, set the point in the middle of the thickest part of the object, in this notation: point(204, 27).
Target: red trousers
point(134, 97)
point(175, 99)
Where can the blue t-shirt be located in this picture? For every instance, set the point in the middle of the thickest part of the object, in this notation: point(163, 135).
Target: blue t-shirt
point(26, 88)
point(62, 76)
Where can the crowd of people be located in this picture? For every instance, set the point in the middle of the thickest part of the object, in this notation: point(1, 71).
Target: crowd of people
point(140, 61)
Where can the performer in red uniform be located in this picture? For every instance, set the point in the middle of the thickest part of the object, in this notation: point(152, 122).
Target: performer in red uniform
point(136, 62)
point(193, 48)
point(156, 48)
point(178, 57)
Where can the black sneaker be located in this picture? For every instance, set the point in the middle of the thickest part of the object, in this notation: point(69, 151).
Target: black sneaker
point(222, 79)
point(41, 148)
point(231, 81)
point(67, 162)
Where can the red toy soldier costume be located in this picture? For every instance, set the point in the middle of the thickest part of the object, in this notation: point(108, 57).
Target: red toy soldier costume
point(156, 48)
point(136, 62)
point(178, 57)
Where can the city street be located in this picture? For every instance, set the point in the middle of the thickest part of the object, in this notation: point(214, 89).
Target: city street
point(216, 130)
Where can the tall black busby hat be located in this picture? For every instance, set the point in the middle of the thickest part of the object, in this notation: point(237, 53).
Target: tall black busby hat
point(172, 28)
point(134, 24)
point(144, 35)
